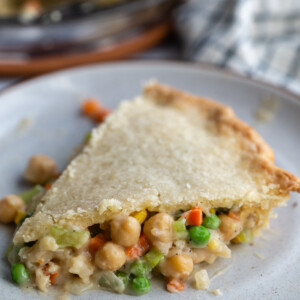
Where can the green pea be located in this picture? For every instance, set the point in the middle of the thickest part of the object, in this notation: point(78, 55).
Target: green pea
point(199, 235)
point(140, 285)
point(211, 221)
point(139, 268)
point(19, 273)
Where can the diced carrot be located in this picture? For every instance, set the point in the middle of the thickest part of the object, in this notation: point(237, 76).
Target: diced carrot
point(132, 252)
point(175, 286)
point(139, 249)
point(96, 242)
point(31, 7)
point(90, 107)
point(48, 186)
point(234, 215)
point(102, 113)
point(53, 277)
point(195, 216)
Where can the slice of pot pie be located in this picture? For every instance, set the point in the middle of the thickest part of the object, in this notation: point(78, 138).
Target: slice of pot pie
point(167, 182)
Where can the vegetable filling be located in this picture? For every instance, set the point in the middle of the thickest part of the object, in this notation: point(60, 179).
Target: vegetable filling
point(120, 255)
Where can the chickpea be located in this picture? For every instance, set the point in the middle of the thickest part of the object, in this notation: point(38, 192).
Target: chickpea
point(250, 219)
point(178, 266)
point(159, 228)
point(9, 207)
point(40, 169)
point(229, 227)
point(81, 266)
point(110, 257)
point(125, 230)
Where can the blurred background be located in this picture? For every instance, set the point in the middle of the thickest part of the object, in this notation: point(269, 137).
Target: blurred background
point(255, 38)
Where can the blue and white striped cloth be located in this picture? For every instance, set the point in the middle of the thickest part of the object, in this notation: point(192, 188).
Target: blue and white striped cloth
point(258, 38)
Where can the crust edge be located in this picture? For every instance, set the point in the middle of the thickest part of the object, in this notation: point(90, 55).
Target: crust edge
point(225, 119)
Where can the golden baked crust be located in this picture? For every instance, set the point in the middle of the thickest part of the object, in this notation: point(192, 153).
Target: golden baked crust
point(222, 116)
point(226, 122)
point(164, 151)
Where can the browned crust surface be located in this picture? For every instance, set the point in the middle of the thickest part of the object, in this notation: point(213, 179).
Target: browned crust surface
point(227, 123)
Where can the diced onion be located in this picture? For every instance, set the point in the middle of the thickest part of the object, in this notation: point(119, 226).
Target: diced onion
point(202, 281)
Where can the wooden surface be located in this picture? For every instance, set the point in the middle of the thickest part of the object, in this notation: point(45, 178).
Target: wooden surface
point(141, 42)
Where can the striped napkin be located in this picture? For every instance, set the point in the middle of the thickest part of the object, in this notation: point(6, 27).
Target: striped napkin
point(257, 38)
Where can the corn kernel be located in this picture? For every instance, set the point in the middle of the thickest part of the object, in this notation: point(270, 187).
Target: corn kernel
point(20, 216)
point(219, 248)
point(214, 245)
point(140, 216)
point(212, 211)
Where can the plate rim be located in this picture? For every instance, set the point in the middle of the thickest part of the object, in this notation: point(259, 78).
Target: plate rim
point(51, 77)
point(156, 62)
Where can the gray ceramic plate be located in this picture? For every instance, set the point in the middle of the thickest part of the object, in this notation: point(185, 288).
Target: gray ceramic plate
point(42, 116)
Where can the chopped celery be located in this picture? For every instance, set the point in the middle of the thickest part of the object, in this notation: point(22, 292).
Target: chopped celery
point(123, 276)
point(153, 258)
point(139, 268)
point(180, 230)
point(28, 195)
point(246, 236)
point(87, 137)
point(9, 249)
point(179, 225)
point(109, 280)
point(12, 253)
point(69, 238)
